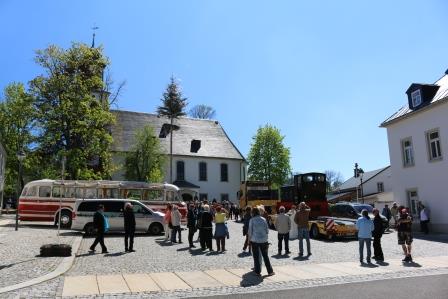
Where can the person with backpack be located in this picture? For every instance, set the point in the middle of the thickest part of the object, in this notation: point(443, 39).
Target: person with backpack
point(101, 226)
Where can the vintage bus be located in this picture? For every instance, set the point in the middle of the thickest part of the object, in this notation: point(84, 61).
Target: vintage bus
point(43, 200)
point(255, 193)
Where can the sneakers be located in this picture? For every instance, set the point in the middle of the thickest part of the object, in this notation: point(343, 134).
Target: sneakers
point(407, 259)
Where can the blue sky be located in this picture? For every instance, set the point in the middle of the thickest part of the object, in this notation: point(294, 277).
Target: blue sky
point(326, 73)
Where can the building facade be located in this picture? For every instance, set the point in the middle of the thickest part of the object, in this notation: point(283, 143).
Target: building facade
point(376, 188)
point(418, 150)
point(206, 163)
point(2, 173)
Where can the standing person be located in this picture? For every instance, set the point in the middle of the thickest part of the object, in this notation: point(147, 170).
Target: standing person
point(386, 213)
point(405, 238)
point(301, 219)
point(424, 219)
point(377, 234)
point(394, 213)
point(365, 227)
point(206, 228)
point(246, 218)
point(236, 213)
point(283, 226)
point(220, 229)
point(258, 236)
point(231, 211)
point(175, 220)
point(191, 223)
point(167, 222)
point(129, 227)
point(101, 226)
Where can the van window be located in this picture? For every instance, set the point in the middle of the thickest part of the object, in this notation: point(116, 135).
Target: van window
point(89, 206)
point(32, 191)
point(90, 193)
point(69, 192)
point(44, 191)
point(57, 192)
point(138, 209)
point(113, 206)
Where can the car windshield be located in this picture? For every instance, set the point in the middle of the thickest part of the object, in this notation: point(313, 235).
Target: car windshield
point(359, 208)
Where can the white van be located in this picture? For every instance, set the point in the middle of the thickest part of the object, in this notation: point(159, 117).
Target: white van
point(146, 220)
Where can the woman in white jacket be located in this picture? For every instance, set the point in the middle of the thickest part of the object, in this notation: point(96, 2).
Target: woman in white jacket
point(175, 221)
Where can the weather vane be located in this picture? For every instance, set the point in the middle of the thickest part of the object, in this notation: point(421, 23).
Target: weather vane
point(94, 28)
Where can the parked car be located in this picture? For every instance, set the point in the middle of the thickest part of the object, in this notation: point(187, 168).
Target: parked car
point(353, 211)
point(146, 219)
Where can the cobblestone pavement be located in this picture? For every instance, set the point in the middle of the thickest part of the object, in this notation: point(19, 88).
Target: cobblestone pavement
point(154, 255)
point(19, 250)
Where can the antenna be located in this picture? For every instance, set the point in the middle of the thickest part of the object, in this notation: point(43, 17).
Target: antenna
point(94, 28)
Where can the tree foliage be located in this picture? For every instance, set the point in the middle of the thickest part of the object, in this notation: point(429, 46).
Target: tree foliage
point(17, 117)
point(334, 180)
point(269, 157)
point(71, 121)
point(202, 112)
point(173, 103)
point(145, 160)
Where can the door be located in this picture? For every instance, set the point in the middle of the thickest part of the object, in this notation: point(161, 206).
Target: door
point(142, 217)
point(413, 202)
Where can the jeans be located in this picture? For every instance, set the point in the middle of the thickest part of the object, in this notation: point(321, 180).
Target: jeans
point(191, 231)
point(175, 230)
point(282, 237)
point(99, 239)
point(367, 241)
point(262, 248)
point(221, 243)
point(129, 234)
point(304, 233)
point(377, 250)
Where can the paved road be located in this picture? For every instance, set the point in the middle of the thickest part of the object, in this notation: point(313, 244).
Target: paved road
point(434, 287)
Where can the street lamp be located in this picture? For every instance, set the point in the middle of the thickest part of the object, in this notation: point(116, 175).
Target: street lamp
point(20, 157)
point(359, 173)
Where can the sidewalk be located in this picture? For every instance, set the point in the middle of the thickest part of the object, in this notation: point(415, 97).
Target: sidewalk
point(172, 281)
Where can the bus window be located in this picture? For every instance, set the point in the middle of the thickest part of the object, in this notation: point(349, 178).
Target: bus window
point(90, 193)
point(69, 192)
point(32, 191)
point(133, 194)
point(108, 193)
point(24, 191)
point(44, 191)
point(171, 196)
point(79, 192)
point(56, 192)
point(153, 195)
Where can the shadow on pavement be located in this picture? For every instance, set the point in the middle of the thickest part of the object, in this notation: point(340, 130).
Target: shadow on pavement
point(301, 258)
point(86, 254)
point(197, 251)
point(13, 264)
point(442, 238)
point(164, 243)
point(412, 265)
point(184, 249)
point(382, 263)
point(250, 279)
point(244, 254)
point(115, 254)
point(366, 265)
point(280, 256)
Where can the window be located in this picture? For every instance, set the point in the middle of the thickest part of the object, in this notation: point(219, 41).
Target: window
point(56, 192)
point(224, 197)
point(91, 193)
point(44, 191)
point(433, 139)
point(69, 192)
point(380, 186)
point(408, 152)
point(180, 170)
point(202, 171)
point(138, 209)
point(88, 206)
point(203, 196)
point(32, 191)
point(224, 172)
point(416, 98)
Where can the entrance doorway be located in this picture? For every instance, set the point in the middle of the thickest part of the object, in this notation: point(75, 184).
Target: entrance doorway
point(186, 197)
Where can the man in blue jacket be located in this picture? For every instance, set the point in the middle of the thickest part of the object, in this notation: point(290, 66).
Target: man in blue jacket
point(99, 222)
point(365, 227)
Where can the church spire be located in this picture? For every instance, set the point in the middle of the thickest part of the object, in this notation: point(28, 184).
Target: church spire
point(94, 28)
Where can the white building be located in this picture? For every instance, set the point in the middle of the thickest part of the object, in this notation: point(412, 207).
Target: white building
point(206, 163)
point(418, 149)
point(375, 188)
point(2, 173)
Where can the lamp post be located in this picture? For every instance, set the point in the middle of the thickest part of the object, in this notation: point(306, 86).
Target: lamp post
point(358, 173)
point(20, 157)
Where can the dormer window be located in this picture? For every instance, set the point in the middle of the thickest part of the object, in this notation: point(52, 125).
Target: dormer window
point(416, 98)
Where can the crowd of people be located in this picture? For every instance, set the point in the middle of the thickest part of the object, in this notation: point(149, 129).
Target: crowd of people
point(203, 217)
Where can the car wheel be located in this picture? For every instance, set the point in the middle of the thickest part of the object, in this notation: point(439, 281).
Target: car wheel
point(314, 232)
point(89, 229)
point(66, 219)
point(155, 229)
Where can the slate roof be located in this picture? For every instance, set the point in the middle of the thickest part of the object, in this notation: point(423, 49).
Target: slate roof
point(441, 96)
point(214, 141)
point(353, 183)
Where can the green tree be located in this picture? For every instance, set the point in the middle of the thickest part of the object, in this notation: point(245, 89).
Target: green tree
point(202, 112)
point(72, 122)
point(269, 157)
point(173, 106)
point(16, 125)
point(146, 159)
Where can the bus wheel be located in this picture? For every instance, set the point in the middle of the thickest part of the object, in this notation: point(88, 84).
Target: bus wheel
point(89, 229)
point(314, 232)
point(155, 229)
point(66, 219)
